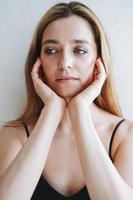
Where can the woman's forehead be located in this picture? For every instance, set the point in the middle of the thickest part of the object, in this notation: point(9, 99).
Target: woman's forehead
point(69, 28)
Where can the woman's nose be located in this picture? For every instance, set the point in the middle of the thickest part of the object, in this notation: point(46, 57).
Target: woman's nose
point(65, 61)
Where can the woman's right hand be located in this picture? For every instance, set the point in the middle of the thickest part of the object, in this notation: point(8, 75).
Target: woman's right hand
point(46, 94)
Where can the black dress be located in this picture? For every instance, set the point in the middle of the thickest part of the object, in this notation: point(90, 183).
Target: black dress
point(44, 191)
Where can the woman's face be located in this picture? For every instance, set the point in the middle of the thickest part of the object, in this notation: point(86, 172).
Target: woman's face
point(68, 50)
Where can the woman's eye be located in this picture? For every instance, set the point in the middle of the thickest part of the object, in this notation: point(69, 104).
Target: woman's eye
point(50, 50)
point(80, 51)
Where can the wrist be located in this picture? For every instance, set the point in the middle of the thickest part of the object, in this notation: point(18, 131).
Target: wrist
point(76, 103)
point(55, 108)
point(55, 103)
point(79, 107)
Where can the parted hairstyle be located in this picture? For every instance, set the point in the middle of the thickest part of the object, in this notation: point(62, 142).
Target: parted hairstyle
point(107, 100)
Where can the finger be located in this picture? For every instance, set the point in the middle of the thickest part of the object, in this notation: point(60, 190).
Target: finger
point(95, 73)
point(101, 75)
point(101, 70)
point(35, 69)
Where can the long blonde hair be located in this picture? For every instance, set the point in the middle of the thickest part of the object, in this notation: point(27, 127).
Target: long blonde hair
point(107, 100)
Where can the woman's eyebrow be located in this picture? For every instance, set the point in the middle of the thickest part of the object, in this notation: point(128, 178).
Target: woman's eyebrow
point(74, 41)
point(80, 41)
point(48, 41)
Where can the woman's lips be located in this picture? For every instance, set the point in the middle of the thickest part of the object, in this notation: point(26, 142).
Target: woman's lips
point(67, 80)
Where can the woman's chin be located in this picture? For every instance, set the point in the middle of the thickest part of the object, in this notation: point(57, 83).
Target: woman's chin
point(68, 93)
point(67, 96)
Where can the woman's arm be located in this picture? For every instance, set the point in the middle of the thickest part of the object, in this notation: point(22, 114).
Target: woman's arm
point(20, 178)
point(102, 178)
point(22, 175)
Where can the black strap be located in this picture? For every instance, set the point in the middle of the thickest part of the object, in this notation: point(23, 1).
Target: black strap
point(26, 129)
point(112, 137)
point(111, 141)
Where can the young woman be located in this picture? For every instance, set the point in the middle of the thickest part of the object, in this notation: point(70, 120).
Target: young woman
point(71, 142)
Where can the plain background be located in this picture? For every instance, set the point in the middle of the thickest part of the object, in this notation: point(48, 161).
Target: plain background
point(18, 20)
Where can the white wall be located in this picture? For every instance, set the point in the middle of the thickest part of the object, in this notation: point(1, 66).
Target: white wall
point(17, 22)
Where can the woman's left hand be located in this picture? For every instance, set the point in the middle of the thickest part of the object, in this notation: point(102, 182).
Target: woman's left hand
point(89, 94)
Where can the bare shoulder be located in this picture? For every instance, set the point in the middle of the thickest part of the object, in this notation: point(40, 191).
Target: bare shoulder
point(124, 131)
point(127, 128)
point(121, 127)
point(124, 159)
point(11, 142)
point(13, 133)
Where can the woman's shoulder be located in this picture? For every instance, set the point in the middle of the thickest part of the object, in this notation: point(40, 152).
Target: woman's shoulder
point(10, 133)
point(125, 146)
point(116, 127)
point(12, 140)
point(128, 127)
point(122, 127)
point(10, 145)
point(119, 130)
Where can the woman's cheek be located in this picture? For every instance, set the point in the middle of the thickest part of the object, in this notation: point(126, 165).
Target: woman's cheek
point(87, 74)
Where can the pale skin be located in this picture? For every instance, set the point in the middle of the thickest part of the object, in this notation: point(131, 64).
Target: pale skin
point(77, 134)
